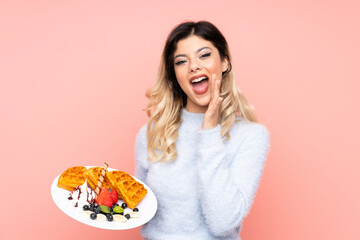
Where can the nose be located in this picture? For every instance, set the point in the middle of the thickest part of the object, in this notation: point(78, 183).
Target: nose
point(194, 67)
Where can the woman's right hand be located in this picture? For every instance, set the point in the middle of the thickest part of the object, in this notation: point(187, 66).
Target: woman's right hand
point(211, 116)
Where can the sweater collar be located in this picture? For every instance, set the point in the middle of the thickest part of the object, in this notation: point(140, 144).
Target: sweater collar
point(195, 118)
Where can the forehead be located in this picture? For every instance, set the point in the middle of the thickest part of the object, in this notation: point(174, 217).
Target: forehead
point(192, 44)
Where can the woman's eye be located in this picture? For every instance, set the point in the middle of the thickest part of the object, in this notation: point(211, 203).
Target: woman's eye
point(206, 55)
point(180, 62)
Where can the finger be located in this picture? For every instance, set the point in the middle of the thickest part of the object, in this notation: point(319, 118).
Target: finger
point(217, 89)
point(212, 114)
point(217, 104)
point(220, 101)
point(212, 86)
point(214, 106)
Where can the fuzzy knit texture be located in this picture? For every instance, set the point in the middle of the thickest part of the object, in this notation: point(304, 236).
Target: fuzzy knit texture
point(207, 191)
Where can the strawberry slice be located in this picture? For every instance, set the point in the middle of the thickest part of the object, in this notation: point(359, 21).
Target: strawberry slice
point(101, 195)
point(104, 198)
point(114, 196)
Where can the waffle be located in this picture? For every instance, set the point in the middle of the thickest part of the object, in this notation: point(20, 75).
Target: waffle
point(128, 189)
point(92, 175)
point(114, 177)
point(131, 191)
point(72, 177)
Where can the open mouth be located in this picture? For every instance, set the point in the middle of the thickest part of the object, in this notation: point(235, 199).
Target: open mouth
point(200, 84)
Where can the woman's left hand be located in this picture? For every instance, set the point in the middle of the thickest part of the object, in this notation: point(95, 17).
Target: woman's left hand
point(211, 116)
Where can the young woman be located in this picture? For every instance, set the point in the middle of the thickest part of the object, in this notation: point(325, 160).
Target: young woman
point(202, 152)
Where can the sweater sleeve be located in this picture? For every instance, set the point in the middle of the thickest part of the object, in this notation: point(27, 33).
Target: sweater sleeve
point(228, 182)
point(141, 164)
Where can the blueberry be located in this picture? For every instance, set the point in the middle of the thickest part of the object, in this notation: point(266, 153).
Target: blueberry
point(93, 216)
point(109, 217)
point(124, 205)
point(135, 209)
point(113, 206)
point(86, 207)
point(127, 216)
point(97, 210)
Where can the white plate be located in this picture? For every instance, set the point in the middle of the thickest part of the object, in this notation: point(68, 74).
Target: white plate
point(147, 208)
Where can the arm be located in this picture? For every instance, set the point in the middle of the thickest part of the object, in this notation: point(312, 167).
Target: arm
point(228, 186)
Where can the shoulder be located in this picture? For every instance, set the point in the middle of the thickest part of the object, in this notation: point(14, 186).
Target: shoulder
point(141, 147)
point(142, 130)
point(246, 131)
point(245, 126)
point(141, 140)
point(141, 135)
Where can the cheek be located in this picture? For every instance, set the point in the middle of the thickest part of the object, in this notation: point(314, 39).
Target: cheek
point(214, 66)
point(180, 77)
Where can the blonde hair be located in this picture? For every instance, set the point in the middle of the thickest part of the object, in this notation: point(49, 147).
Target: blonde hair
point(166, 99)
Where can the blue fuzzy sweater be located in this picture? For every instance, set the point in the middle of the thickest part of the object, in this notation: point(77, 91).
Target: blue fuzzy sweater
point(206, 192)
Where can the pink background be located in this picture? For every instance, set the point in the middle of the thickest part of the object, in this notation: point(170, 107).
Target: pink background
point(73, 76)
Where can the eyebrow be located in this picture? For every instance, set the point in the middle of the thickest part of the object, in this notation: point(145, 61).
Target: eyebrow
point(199, 50)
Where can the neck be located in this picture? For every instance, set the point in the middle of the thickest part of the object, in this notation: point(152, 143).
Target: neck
point(196, 109)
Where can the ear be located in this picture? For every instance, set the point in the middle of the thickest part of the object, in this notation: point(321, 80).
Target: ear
point(224, 64)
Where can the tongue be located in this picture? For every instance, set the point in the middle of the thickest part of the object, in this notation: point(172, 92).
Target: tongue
point(200, 87)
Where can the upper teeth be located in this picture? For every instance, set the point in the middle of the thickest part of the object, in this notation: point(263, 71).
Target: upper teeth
point(198, 79)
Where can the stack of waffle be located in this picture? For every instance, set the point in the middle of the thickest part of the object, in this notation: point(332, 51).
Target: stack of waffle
point(72, 178)
point(127, 188)
point(92, 175)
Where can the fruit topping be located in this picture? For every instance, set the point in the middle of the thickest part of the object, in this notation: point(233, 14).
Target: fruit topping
point(114, 196)
point(104, 198)
point(119, 218)
point(97, 210)
point(92, 207)
point(101, 217)
point(104, 209)
point(109, 217)
point(87, 213)
point(93, 216)
point(114, 213)
point(134, 214)
point(124, 205)
point(118, 209)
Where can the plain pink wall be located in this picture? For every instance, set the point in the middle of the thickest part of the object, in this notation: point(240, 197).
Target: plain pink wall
point(73, 76)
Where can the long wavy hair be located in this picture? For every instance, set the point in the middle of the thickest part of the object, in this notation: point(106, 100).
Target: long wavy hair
point(167, 99)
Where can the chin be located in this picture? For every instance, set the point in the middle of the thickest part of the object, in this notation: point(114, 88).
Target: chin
point(203, 104)
point(200, 103)
point(205, 100)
